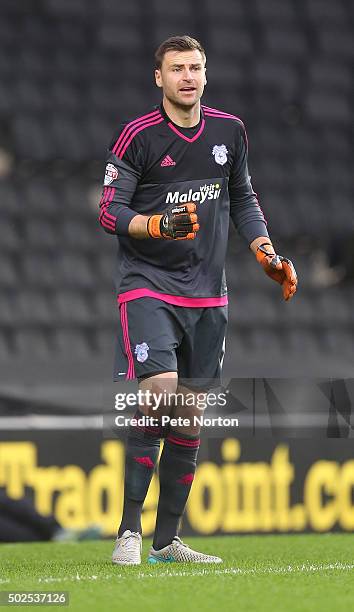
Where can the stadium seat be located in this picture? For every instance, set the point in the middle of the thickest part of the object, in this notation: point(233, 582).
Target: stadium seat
point(76, 235)
point(336, 42)
point(246, 273)
point(32, 345)
point(72, 345)
point(106, 309)
point(328, 106)
point(120, 37)
point(8, 275)
point(9, 235)
point(286, 43)
point(28, 96)
point(38, 271)
point(265, 344)
point(40, 198)
point(104, 345)
point(224, 12)
point(338, 141)
point(6, 351)
point(267, 139)
point(8, 309)
point(338, 343)
point(325, 73)
point(333, 310)
point(7, 98)
point(69, 8)
point(34, 309)
point(65, 97)
point(229, 42)
point(128, 10)
point(69, 137)
point(324, 12)
point(226, 74)
point(40, 234)
point(31, 139)
point(255, 308)
point(275, 11)
point(67, 62)
point(342, 222)
point(72, 308)
point(277, 73)
point(74, 270)
point(160, 8)
point(306, 139)
point(104, 267)
point(339, 172)
point(301, 311)
point(303, 343)
point(167, 26)
point(33, 64)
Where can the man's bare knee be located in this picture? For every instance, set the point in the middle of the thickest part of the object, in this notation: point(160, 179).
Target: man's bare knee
point(158, 390)
point(191, 411)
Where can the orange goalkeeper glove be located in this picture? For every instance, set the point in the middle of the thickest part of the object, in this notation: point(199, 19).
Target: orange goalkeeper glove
point(279, 269)
point(177, 223)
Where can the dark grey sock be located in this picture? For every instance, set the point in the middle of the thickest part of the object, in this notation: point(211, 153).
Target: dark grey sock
point(142, 450)
point(177, 468)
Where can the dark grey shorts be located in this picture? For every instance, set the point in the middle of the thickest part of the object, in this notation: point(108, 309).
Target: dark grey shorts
point(155, 337)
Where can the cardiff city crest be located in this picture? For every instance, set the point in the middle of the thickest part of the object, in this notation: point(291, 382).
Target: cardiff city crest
point(220, 154)
point(141, 352)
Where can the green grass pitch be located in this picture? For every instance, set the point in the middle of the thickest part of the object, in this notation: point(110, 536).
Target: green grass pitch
point(296, 573)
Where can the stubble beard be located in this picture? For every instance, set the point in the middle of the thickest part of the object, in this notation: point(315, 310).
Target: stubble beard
point(180, 105)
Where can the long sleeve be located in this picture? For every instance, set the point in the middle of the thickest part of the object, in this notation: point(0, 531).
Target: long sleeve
point(120, 181)
point(245, 210)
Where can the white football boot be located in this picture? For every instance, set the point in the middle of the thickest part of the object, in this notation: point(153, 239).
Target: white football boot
point(127, 549)
point(179, 552)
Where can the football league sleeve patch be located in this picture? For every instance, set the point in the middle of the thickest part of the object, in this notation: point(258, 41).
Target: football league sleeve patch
point(119, 185)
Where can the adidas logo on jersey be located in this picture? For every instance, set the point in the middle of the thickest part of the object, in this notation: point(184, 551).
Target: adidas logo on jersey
point(167, 161)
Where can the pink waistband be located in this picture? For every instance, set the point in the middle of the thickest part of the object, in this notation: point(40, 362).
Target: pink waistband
point(176, 300)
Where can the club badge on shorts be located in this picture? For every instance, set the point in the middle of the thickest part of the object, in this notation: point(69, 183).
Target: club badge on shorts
point(141, 352)
point(220, 154)
point(111, 174)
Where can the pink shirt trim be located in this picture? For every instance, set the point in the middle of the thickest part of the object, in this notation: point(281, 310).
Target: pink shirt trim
point(173, 127)
point(176, 300)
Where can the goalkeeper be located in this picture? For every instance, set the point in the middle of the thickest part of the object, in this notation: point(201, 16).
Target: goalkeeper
point(174, 178)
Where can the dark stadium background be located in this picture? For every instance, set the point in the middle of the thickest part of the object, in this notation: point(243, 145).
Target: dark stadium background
point(70, 70)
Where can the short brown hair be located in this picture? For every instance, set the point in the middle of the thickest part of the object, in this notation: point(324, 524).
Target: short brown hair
point(177, 43)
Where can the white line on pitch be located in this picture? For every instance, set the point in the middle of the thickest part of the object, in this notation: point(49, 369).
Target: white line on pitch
point(289, 569)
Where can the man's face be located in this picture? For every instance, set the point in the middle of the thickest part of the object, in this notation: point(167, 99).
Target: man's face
point(182, 77)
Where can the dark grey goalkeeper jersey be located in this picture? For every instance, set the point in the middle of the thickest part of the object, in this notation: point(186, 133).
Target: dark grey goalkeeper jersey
point(153, 163)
